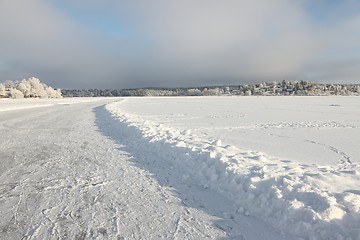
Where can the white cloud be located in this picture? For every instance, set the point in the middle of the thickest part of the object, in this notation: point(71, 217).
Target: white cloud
point(176, 43)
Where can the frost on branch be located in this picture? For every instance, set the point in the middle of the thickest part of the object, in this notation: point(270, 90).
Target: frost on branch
point(30, 88)
point(14, 93)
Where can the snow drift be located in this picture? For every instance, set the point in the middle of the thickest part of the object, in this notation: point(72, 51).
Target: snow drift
point(294, 198)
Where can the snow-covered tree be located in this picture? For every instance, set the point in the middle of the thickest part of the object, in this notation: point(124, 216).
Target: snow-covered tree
point(2, 91)
point(14, 93)
point(193, 92)
point(37, 88)
point(31, 87)
point(212, 92)
point(248, 92)
point(9, 84)
point(52, 93)
point(25, 88)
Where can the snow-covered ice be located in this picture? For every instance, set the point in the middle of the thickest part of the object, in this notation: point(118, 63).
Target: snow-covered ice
point(7, 104)
point(72, 171)
point(292, 162)
point(180, 168)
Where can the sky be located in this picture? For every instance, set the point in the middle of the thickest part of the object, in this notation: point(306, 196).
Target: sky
point(179, 43)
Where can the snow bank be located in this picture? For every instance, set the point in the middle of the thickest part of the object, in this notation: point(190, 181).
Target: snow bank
point(297, 199)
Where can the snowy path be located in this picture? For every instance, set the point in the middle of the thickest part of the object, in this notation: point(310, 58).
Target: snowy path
point(67, 173)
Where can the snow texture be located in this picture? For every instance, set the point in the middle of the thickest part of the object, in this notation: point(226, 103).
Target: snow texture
point(18, 104)
point(307, 187)
point(69, 170)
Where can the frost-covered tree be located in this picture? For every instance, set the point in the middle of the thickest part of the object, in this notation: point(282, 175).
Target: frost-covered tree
point(212, 92)
point(9, 84)
point(34, 88)
point(193, 92)
point(247, 92)
point(29, 88)
point(14, 93)
point(52, 93)
point(25, 88)
point(2, 91)
point(357, 89)
point(37, 88)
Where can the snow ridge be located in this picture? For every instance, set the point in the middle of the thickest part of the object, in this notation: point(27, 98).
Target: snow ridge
point(293, 198)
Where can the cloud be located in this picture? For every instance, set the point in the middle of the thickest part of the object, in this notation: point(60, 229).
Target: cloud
point(175, 43)
point(217, 41)
point(337, 71)
point(36, 39)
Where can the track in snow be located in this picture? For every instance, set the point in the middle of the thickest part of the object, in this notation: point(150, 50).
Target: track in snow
point(67, 173)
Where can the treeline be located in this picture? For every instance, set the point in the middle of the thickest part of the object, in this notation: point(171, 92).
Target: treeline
point(30, 88)
point(284, 88)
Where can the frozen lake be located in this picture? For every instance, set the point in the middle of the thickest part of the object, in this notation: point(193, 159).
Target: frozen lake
point(291, 161)
point(320, 130)
point(181, 168)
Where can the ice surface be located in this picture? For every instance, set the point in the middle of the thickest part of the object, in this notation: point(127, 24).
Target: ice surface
point(7, 104)
point(72, 171)
point(283, 127)
point(180, 168)
point(290, 161)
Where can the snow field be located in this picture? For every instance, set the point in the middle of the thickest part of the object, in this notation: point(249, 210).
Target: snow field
point(63, 177)
point(308, 201)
